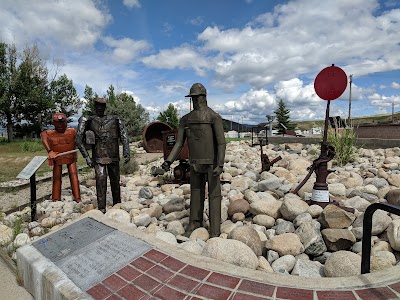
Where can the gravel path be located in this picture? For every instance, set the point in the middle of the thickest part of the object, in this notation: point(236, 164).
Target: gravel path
point(11, 199)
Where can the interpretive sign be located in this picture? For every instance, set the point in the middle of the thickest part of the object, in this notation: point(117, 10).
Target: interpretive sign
point(29, 172)
point(89, 251)
point(31, 167)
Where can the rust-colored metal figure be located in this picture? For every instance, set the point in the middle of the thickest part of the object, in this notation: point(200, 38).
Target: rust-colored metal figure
point(60, 144)
point(103, 133)
point(266, 164)
point(203, 130)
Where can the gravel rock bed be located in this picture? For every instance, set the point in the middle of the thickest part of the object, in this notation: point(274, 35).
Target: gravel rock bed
point(264, 226)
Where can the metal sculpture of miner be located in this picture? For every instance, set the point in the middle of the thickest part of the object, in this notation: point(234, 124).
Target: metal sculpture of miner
point(203, 130)
point(102, 133)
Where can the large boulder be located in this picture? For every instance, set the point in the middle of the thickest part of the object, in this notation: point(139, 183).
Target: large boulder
point(393, 197)
point(292, 207)
point(310, 236)
point(342, 264)
point(231, 251)
point(118, 215)
point(268, 207)
point(338, 239)
point(285, 244)
point(237, 206)
point(393, 234)
point(175, 204)
point(335, 217)
point(249, 236)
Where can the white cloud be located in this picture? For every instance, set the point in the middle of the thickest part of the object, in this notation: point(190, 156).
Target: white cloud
point(181, 58)
point(60, 23)
point(131, 3)
point(124, 50)
point(395, 85)
point(294, 91)
point(197, 21)
point(300, 38)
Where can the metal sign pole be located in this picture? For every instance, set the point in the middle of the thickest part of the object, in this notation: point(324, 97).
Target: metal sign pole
point(33, 196)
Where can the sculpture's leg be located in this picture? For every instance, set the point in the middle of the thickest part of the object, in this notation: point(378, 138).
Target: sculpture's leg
point(56, 190)
point(73, 179)
point(214, 200)
point(114, 174)
point(101, 186)
point(197, 195)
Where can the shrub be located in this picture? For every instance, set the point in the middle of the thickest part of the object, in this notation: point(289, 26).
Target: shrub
point(130, 167)
point(344, 142)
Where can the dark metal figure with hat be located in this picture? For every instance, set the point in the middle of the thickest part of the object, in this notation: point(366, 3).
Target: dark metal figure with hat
point(60, 144)
point(203, 130)
point(103, 133)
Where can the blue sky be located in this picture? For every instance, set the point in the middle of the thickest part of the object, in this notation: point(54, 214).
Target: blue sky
point(247, 53)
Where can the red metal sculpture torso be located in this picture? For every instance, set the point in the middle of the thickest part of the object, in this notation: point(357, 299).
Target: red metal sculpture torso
point(56, 142)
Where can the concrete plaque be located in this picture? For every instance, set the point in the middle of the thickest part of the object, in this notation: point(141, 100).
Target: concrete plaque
point(69, 239)
point(90, 251)
point(32, 167)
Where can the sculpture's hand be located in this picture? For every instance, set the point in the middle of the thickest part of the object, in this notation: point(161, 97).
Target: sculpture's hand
point(52, 155)
point(127, 157)
point(89, 162)
point(217, 170)
point(166, 164)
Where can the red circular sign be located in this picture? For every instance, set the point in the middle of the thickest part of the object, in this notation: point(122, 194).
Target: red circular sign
point(330, 83)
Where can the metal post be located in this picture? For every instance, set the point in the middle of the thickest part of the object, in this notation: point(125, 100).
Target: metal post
point(32, 180)
point(349, 119)
point(367, 228)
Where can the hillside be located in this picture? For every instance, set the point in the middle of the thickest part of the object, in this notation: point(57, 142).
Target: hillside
point(305, 125)
point(376, 119)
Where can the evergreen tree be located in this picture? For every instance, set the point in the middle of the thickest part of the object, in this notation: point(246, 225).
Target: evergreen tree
point(64, 96)
point(282, 117)
point(89, 96)
point(32, 90)
point(8, 99)
point(133, 114)
point(170, 116)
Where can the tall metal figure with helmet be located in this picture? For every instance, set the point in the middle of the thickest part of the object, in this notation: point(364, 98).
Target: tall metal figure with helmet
point(203, 130)
point(107, 131)
point(60, 144)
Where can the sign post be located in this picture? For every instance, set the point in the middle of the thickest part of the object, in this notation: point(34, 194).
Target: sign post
point(29, 173)
point(329, 85)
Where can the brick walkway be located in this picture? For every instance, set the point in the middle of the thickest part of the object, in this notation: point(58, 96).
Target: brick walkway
point(156, 275)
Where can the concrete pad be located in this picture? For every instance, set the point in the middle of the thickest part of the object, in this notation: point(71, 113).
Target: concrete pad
point(144, 267)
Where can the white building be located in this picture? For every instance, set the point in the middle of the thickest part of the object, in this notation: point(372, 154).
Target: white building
point(232, 134)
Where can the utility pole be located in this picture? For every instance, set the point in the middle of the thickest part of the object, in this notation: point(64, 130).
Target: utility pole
point(231, 122)
point(349, 119)
point(242, 124)
point(392, 112)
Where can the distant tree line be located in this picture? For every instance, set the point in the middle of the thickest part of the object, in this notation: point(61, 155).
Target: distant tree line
point(30, 94)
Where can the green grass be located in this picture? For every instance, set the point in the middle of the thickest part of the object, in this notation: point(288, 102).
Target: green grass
point(14, 156)
point(236, 139)
point(344, 143)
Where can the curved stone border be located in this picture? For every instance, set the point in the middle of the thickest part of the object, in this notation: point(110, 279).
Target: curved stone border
point(166, 272)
